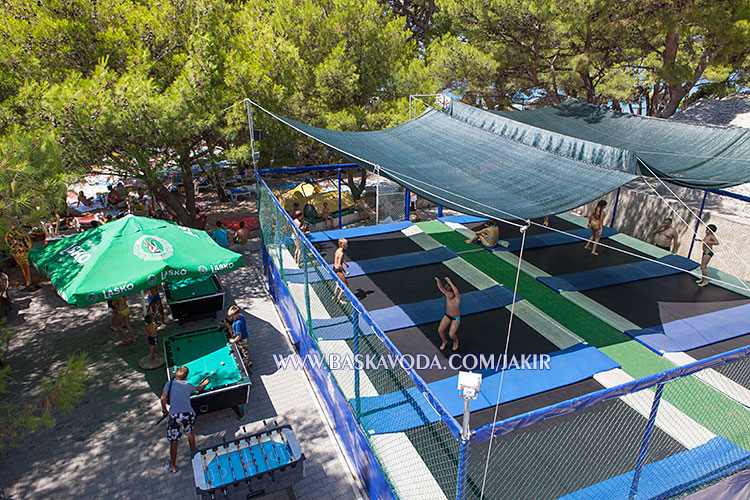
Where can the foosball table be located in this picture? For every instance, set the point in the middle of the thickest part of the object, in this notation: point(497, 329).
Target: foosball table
point(254, 464)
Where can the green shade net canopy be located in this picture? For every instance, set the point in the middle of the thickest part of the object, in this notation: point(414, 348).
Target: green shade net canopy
point(129, 255)
point(690, 155)
point(478, 163)
point(526, 164)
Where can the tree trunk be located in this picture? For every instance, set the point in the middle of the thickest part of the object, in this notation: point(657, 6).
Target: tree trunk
point(356, 190)
point(216, 178)
point(172, 204)
point(187, 180)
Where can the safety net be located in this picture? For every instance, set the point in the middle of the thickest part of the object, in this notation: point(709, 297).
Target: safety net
point(691, 155)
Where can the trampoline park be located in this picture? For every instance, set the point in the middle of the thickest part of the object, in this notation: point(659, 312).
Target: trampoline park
point(635, 385)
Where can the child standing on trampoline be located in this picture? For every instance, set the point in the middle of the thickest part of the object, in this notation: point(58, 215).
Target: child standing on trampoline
point(452, 317)
point(596, 224)
point(338, 267)
point(709, 242)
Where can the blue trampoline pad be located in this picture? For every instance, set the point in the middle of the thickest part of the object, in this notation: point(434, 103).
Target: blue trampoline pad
point(553, 239)
point(402, 410)
point(617, 275)
point(671, 476)
point(697, 331)
point(355, 232)
point(379, 264)
point(462, 219)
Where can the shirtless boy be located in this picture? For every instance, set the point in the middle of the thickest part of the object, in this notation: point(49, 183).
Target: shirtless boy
point(709, 242)
point(338, 267)
point(487, 237)
point(155, 304)
point(452, 315)
point(151, 339)
point(326, 214)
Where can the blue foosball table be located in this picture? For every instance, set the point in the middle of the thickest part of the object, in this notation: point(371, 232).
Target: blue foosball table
point(254, 464)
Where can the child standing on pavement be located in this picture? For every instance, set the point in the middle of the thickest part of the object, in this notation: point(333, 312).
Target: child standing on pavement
point(151, 339)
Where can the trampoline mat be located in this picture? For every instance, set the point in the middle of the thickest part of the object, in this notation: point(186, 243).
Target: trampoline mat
point(403, 286)
point(602, 440)
point(508, 231)
point(512, 408)
point(370, 247)
point(737, 371)
point(639, 301)
point(557, 260)
point(481, 333)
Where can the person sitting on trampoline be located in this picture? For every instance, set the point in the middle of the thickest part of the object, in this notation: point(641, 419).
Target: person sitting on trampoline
point(596, 224)
point(709, 242)
point(452, 315)
point(338, 267)
point(489, 237)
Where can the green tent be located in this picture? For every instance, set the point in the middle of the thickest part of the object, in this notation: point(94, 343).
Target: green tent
point(129, 255)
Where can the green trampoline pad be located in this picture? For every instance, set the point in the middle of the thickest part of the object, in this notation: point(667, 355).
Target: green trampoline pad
point(203, 352)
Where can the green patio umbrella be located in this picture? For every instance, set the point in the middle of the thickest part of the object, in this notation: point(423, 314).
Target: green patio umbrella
point(129, 255)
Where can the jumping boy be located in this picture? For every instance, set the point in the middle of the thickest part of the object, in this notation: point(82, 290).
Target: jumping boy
point(709, 242)
point(452, 315)
point(151, 339)
point(338, 266)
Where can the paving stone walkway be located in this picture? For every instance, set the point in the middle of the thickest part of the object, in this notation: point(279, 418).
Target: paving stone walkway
point(109, 446)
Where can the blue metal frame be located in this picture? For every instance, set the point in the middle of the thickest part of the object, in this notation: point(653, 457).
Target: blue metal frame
point(646, 439)
point(309, 168)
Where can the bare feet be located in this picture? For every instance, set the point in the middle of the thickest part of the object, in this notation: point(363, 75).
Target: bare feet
point(594, 253)
point(442, 346)
point(455, 345)
point(703, 283)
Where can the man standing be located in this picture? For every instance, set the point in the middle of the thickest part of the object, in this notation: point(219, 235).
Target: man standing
point(181, 418)
point(239, 334)
point(665, 236)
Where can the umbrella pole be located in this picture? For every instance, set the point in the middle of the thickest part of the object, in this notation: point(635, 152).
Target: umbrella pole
point(143, 305)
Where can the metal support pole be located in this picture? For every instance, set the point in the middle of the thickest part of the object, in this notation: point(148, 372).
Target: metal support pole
point(463, 457)
point(407, 205)
point(279, 242)
point(440, 210)
point(377, 196)
point(252, 135)
point(339, 198)
point(697, 223)
point(614, 208)
point(307, 291)
point(646, 439)
point(355, 351)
